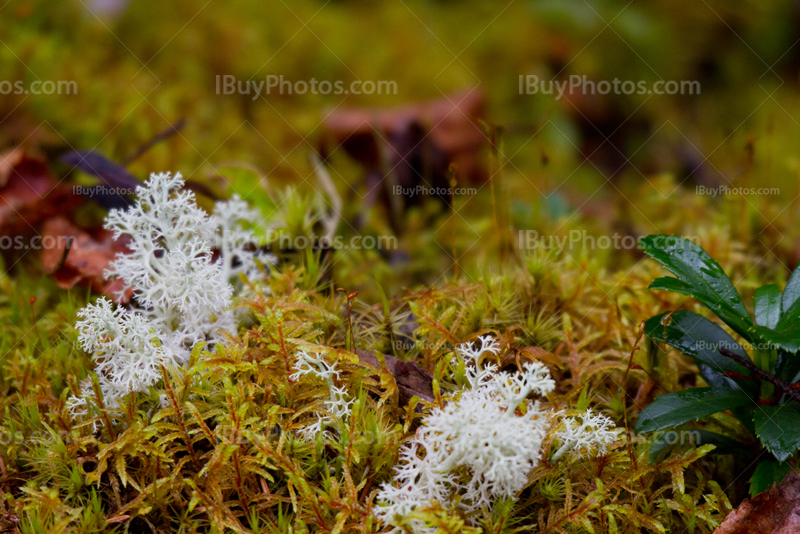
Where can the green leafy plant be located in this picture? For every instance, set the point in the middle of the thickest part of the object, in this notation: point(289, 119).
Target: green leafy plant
point(760, 387)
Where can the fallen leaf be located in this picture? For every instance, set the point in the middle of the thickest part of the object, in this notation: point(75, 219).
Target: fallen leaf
point(98, 165)
point(118, 183)
point(450, 122)
point(9, 160)
point(411, 380)
point(31, 195)
point(410, 152)
point(87, 257)
point(775, 511)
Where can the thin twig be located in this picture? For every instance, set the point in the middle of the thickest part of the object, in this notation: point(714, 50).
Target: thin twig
point(760, 374)
point(164, 134)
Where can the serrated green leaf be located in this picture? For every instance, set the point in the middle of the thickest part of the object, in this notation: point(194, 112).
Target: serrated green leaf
point(792, 290)
point(778, 428)
point(693, 266)
point(768, 305)
point(674, 409)
point(696, 336)
point(768, 472)
point(699, 276)
point(784, 336)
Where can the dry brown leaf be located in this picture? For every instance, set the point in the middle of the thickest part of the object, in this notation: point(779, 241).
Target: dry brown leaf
point(31, 195)
point(450, 123)
point(775, 511)
point(411, 380)
point(85, 262)
point(9, 160)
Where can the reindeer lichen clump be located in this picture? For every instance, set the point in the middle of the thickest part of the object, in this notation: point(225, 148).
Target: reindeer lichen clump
point(182, 292)
point(338, 406)
point(481, 446)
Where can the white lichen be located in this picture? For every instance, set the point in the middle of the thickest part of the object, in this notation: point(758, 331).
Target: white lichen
point(236, 240)
point(483, 445)
point(338, 406)
point(182, 294)
point(471, 354)
point(588, 435)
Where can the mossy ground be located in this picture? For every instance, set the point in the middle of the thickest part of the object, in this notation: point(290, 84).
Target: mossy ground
point(215, 447)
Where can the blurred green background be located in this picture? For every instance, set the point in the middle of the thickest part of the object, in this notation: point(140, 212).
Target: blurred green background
point(606, 163)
